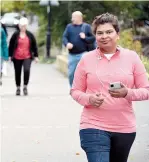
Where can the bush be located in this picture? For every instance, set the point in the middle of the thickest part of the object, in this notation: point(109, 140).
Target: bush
point(41, 38)
point(145, 61)
point(126, 41)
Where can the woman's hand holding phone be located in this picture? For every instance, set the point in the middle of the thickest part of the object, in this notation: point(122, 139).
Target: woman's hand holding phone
point(118, 91)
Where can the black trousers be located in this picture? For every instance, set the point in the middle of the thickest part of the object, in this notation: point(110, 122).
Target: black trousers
point(18, 64)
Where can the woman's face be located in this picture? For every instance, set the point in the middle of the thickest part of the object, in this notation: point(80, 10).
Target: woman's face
point(106, 36)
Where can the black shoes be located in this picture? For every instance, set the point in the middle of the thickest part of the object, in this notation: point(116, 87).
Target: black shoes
point(18, 92)
point(25, 91)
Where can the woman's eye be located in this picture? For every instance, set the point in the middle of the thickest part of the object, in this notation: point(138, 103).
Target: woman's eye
point(109, 32)
point(99, 33)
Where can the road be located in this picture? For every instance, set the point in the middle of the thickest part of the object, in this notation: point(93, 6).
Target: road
point(43, 127)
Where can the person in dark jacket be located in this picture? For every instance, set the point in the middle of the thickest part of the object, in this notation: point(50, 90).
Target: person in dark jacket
point(76, 37)
point(22, 50)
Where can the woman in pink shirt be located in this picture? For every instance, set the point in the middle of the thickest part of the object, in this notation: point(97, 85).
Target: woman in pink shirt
point(22, 50)
point(106, 82)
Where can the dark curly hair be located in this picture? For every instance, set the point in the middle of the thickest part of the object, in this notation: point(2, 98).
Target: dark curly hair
point(105, 18)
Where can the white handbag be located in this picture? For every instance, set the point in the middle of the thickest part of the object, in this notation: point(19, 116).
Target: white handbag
point(4, 68)
point(7, 68)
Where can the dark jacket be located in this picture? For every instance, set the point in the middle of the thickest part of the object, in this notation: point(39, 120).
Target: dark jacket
point(14, 43)
point(71, 35)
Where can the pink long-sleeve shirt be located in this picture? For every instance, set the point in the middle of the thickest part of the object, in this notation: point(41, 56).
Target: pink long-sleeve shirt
point(93, 75)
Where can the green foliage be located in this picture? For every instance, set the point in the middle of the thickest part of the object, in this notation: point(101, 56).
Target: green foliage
point(145, 61)
point(125, 10)
point(126, 41)
point(34, 7)
point(61, 15)
point(41, 37)
point(59, 20)
point(9, 6)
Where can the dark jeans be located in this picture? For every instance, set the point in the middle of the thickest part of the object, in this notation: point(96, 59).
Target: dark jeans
point(103, 146)
point(18, 64)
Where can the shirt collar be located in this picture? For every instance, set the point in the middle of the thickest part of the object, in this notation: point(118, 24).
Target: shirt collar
point(99, 53)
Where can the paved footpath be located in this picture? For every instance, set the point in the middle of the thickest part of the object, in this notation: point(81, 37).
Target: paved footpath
point(43, 127)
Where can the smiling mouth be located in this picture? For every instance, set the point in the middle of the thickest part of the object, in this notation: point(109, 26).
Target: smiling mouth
point(105, 42)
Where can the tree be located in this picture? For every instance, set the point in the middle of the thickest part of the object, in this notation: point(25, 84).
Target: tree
point(127, 12)
point(9, 6)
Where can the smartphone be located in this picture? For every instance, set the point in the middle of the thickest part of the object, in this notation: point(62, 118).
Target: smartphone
point(115, 85)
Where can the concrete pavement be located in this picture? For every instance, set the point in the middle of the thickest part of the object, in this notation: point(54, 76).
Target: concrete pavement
point(43, 127)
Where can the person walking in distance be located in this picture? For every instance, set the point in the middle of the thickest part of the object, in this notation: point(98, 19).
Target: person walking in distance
point(22, 50)
point(76, 37)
